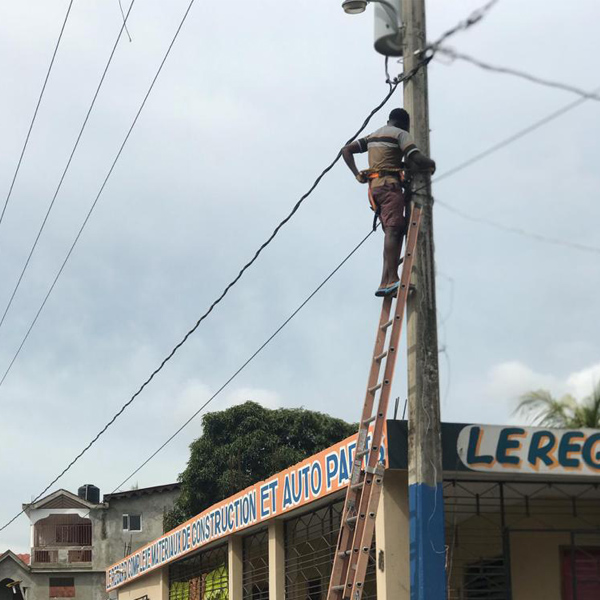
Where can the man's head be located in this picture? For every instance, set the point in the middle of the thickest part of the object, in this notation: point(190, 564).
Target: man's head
point(400, 118)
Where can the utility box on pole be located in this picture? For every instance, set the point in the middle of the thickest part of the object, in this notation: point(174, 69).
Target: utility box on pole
point(388, 28)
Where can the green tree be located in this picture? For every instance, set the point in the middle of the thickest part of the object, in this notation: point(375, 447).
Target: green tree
point(245, 444)
point(543, 409)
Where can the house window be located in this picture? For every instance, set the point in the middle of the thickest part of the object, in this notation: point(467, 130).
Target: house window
point(62, 587)
point(132, 522)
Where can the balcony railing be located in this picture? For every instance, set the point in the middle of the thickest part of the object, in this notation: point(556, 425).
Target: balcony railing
point(62, 557)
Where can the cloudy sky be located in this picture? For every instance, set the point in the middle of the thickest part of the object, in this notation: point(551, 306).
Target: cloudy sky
point(254, 100)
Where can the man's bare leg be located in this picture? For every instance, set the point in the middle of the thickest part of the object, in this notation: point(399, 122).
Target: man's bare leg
point(392, 247)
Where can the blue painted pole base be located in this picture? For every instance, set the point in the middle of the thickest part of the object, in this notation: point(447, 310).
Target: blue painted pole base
point(427, 542)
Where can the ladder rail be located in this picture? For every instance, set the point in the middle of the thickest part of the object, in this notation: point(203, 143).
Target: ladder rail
point(339, 561)
point(367, 511)
point(364, 489)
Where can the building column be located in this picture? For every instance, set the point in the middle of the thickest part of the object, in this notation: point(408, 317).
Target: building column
point(235, 566)
point(276, 560)
point(392, 531)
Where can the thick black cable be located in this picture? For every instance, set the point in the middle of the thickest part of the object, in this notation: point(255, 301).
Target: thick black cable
point(65, 170)
point(245, 364)
point(406, 77)
point(244, 268)
point(521, 74)
point(35, 112)
point(218, 300)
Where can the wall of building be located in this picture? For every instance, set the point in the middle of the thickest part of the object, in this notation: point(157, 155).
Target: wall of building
point(155, 585)
point(88, 585)
point(476, 543)
point(110, 541)
point(392, 535)
point(9, 569)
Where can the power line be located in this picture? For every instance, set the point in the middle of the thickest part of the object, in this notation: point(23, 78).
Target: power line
point(240, 369)
point(35, 112)
point(65, 170)
point(519, 231)
point(245, 267)
point(212, 306)
point(406, 77)
point(449, 173)
point(521, 74)
point(474, 18)
point(248, 361)
point(513, 138)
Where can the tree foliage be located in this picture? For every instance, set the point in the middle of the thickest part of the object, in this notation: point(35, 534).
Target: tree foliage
point(245, 444)
point(543, 409)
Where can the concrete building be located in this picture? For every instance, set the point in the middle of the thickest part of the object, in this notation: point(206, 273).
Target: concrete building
point(522, 511)
point(73, 538)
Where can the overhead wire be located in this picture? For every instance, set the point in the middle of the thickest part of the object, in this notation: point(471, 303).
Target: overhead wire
point(474, 18)
point(247, 362)
point(244, 268)
point(519, 230)
point(512, 138)
point(423, 61)
point(212, 306)
point(35, 112)
point(66, 168)
point(449, 173)
point(453, 54)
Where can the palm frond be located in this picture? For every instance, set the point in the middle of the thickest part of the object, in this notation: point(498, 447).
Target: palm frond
point(541, 408)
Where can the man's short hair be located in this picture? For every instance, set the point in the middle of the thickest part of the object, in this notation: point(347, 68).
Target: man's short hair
point(401, 117)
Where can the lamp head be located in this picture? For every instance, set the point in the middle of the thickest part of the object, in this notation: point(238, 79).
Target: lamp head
point(354, 7)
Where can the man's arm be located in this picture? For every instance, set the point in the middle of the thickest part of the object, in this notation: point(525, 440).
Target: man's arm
point(413, 157)
point(417, 160)
point(348, 153)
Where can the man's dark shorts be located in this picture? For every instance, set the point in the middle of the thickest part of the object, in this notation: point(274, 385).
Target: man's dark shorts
point(390, 200)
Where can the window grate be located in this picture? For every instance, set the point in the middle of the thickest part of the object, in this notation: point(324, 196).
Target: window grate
point(310, 544)
point(255, 556)
point(203, 576)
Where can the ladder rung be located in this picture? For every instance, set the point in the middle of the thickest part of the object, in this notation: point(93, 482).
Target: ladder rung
point(369, 420)
point(373, 389)
point(343, 553)
point(337, 588)
point(387, 324)
point(359, 484)
point(352, 519)
point(381, 356)
point(362, 453)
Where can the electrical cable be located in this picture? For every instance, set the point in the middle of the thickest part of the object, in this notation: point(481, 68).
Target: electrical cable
point(225, 291)
point(475, 17)
point(406, 77)
point(519, 231)
point(521, 74)
point(65, 170)
point(248, 361)
point(35, 112)
point(240, 273)
point(449, 173)
point(513, 138)
point(232, 377)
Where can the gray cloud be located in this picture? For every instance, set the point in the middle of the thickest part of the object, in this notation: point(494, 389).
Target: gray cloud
point(253, 102)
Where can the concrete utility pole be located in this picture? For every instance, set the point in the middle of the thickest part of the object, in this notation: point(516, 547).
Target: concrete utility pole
point(427, 539)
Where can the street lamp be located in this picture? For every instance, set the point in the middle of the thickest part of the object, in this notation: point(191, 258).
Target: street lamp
point(388, 24)
point(354, 7)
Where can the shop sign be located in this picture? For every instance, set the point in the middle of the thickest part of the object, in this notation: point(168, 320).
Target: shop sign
point(314, 478)
point(530, 450)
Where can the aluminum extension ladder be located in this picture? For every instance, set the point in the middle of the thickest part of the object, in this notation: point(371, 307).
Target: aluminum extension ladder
point(364, 490)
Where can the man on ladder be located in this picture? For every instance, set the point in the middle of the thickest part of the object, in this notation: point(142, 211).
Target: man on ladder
point(387, 148)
